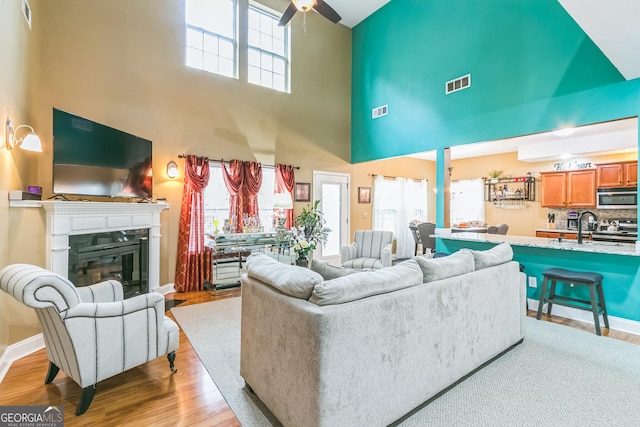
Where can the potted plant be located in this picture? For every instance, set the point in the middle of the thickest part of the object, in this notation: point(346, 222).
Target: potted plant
point(310, 232)
point(495, 174)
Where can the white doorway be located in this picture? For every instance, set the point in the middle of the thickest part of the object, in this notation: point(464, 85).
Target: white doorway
point(332, 189)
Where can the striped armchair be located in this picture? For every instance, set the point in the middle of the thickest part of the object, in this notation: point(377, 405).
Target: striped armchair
point(371, 249)
point(90, 332)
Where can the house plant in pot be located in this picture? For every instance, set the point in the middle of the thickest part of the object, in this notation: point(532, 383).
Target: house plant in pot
point(309, 233)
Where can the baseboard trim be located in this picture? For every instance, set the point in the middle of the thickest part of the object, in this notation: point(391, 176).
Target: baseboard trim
point(19, 350)
point(165, 289)
point(617, 323)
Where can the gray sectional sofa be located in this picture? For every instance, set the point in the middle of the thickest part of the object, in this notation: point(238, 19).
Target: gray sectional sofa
point(365, 348)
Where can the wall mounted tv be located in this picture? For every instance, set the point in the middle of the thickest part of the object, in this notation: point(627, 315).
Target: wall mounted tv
point(92, 159)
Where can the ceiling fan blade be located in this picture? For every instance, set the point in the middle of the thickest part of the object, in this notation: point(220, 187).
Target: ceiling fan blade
point(327, 11)
point(287, 15)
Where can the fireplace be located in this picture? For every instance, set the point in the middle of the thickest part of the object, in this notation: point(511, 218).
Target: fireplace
point(92, 241)
point(120, 255)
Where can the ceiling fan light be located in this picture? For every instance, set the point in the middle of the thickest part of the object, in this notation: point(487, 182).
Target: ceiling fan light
point(304, 5)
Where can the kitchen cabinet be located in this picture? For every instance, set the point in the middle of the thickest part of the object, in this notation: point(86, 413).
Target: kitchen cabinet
point(622, 174)
point(554, 189)
point(571, 189)
point(562, 235)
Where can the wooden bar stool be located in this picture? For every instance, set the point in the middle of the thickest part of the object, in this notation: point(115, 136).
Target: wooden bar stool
point(581, 278)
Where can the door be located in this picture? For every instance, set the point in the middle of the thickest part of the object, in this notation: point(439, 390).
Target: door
point(332, 189)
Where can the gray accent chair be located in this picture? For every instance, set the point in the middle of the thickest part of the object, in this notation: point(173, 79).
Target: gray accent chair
point(90, 332)
point(371, 249)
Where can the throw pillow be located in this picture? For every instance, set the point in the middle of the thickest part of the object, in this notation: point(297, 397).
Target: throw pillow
point(497, 255)
point(364, 284)
point(289, 279)
point(458, 263)
point(328, 271)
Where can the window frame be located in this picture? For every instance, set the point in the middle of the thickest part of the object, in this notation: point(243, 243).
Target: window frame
point(275, 16)
point(203, 32)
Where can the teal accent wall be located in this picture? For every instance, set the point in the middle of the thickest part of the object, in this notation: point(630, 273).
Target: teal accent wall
point(532, 70)
point(621, 283)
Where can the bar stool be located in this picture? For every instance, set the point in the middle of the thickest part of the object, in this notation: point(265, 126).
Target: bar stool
point(581, 278)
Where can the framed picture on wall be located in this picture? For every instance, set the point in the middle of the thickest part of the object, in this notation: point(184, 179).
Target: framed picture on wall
point(364, 194)
point(302, 192)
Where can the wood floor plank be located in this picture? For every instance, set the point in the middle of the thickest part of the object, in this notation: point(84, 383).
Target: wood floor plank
point(150, 394)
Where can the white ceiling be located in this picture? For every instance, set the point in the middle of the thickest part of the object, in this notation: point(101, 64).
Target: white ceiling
point(354, 11)
point(614, 26)
point(620, 136)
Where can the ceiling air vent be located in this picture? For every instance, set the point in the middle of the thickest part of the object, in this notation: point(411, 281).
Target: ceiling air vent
point(380, 111)
point(457, 84)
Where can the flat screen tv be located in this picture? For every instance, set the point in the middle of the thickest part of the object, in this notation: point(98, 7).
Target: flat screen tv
point(92, 159)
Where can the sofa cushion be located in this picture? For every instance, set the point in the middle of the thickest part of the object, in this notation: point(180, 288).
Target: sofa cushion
point(458, 263)
point(497, 255)
point(290, 279)
point(328, 271)
point(363, 284)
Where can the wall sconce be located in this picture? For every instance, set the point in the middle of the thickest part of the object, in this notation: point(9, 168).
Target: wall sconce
point(31, 142)
point(172, 169)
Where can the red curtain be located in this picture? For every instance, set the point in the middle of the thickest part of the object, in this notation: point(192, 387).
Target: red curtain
point(285, 181)
point(233, 179)
point(193, 264)
point(251, 187)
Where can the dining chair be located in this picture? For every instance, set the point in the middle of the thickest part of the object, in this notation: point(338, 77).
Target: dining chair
point(425, 230)
point(416, 236)
point(502, 228)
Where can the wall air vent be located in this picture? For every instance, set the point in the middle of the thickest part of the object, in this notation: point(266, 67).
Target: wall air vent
point(380, 111)
point(457, 84)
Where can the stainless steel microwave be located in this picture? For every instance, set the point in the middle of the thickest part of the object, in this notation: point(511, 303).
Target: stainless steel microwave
point(617, 198)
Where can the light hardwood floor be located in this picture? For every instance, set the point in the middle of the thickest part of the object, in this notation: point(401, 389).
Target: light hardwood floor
point(150, 394)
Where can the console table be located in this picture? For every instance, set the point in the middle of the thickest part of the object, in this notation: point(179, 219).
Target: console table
point(230, 252)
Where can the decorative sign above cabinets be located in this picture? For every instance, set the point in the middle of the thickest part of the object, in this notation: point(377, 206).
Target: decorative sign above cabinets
point(574, 165)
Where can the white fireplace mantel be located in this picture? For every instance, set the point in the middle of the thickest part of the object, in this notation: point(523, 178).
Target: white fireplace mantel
point(68, 218)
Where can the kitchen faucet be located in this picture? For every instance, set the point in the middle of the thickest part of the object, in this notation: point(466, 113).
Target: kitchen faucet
point(595, 218)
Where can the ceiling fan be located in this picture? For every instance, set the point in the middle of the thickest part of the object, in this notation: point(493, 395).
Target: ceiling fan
point(304, 6)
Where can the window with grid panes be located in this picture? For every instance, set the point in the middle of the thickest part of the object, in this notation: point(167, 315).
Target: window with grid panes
point(268, 55)
point(211, 36)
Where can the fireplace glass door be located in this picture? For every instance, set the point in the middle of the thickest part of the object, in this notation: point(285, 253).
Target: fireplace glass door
point(119, 255)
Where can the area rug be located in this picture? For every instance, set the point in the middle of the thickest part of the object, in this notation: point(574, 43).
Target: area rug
point(558, 376)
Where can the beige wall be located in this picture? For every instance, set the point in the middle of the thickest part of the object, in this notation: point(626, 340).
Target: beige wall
point(522, 222)
point(121, 63)
point(362, 176)
point(18, 92)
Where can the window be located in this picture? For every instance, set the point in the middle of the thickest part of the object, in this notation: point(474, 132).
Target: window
point(216, 200)
point(268, 56)
point(467, 200)
point(395, 204)
point(211, 41)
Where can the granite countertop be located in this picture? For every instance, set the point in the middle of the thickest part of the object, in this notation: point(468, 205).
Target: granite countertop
point(561, 230)
point(614, 248)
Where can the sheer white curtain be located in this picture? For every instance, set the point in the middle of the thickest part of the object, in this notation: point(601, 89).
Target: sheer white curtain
point(395, 204)
point(380, 199)
point(467, 200)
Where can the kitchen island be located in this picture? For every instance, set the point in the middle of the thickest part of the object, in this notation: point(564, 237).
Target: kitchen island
point(571, 244)
point(619, 264)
